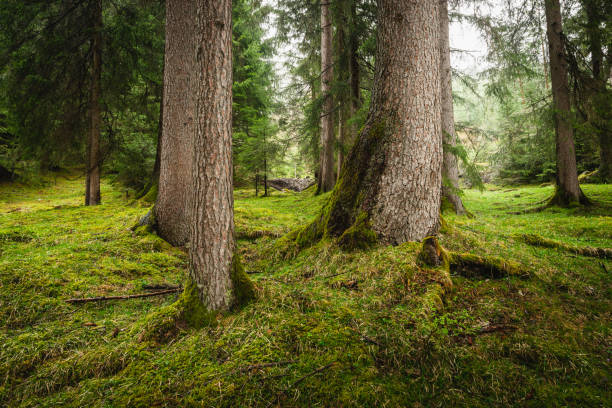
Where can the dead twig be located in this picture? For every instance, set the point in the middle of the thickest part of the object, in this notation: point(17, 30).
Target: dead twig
point(160, 286)
point(140, 295)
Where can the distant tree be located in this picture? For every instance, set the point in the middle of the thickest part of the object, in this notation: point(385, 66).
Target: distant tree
point(327, 181)
point(450, 170)
point(598, 15)
point(214, 265)
point(568, 190)
point(174, 190)
point(92, 188)
point(255, 142)
point(47, 65)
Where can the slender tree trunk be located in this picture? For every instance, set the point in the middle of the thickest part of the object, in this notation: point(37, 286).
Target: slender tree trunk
point(172, 205)
point(450, 170)
point(601, 111)
point(160, 134)
point(92, 189)
point(344, 95)
point(213, 264)
point(568, 189)
point(354, 71)
point(327, 119)
point(392, 178)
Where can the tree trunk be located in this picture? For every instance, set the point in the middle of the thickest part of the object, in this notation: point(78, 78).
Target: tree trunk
point(568, 189)
point(214, 268)
point(601, 111)
point(172, 205)
point(327, 120)
point(160, 134)
point(450, 171)
point(344, 94)
point(92, 189)
point(391, 180)
point(354, 72)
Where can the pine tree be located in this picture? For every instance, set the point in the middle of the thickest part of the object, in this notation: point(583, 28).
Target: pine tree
point(390, 184)
point(327, 180)
point(568, 189)
point(172, 205)
point(214, 267)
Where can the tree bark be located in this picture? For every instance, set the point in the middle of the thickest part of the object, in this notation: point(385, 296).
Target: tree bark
point(172, 205)
point(213, 264)
point(450, 170)
point(327, 119)
point(601, 111)
point(344, 97)
point(354, 70)
point(392, 178)
point(92, 188)
point(568, 189)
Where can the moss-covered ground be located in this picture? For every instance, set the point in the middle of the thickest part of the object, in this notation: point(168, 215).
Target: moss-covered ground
point(370, 327)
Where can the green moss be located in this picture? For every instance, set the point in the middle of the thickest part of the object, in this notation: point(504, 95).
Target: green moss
point(470, 265)
point(191, 308)
point(345, 207)
point(433, 255)
point(359, 235)
point(446, 205)
point(537, 240)
point(243, 289)
point(151, 195)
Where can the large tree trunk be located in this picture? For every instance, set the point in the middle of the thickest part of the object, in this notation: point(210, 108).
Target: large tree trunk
point(214, 268)
point(172, 205)
point(92, 188)
point(327, 119)
point(450, 171)
point(391, 180)
point(568, 189)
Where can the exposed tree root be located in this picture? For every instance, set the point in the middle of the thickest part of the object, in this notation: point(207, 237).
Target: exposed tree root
point(537, 240)
point(474, 266)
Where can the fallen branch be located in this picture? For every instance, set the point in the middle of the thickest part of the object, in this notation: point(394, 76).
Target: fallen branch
point(140, 295)
point(160, 286)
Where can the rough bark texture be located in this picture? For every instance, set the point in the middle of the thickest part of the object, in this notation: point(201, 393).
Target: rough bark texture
point(172, 205)
point(92, 188)
point(389, 188)
point(214, 268)
point(568, 189)
point(450, 171)
point(327, 119)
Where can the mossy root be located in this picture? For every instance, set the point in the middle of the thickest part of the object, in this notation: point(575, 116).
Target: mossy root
point(537, 240)
point(474, 266)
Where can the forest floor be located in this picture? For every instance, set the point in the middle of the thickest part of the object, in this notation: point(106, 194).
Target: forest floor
point(329, 328)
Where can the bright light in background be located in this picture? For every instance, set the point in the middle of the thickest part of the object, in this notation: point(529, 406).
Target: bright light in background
point(468, 45)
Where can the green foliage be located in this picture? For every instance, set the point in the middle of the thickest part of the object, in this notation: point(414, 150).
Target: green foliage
point(255, 145)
